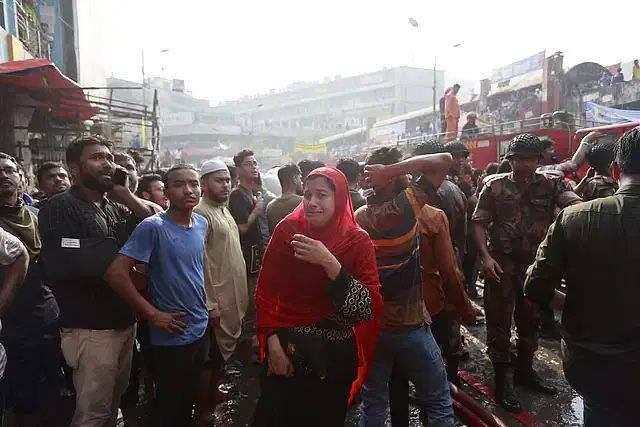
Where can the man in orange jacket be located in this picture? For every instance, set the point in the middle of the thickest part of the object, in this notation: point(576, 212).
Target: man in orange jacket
point(452, 112)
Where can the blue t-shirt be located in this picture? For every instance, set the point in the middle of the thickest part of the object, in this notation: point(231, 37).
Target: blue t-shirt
point(173, 255)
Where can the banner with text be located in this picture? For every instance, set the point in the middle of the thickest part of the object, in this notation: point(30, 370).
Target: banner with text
point(310, 148)
point(600, 114)
point(524, 66)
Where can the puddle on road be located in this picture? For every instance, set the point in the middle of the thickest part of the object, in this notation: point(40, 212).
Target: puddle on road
point(575, 417)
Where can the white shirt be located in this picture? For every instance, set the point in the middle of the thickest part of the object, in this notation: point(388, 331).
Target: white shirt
point(10, 249)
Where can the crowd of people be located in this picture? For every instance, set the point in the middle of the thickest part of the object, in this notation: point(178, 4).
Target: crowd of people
point(350, 284)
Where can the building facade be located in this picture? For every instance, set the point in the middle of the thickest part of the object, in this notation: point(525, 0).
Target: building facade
point(40, 29)
point(307, 111)
point(189, 124)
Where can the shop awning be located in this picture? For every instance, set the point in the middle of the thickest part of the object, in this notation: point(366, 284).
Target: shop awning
point(51, 89)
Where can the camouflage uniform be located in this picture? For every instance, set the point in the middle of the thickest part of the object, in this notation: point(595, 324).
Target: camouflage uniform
point(519, 219)
point(599, 186)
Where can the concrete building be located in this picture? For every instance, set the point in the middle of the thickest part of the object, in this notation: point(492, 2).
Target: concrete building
point(40, 29)
point(308, 111)
point(187, 123)
point(93, 37)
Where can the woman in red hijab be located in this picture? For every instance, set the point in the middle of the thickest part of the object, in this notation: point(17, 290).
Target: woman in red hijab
point(318, 303)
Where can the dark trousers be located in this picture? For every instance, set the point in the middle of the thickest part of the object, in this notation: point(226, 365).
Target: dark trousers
point(547, 318)
point(249, 321)
point(176, 372)
point(33, 377)
point(599, 416)
point(470, 267)
point(130, 397)
point(399, 399)
point(308, 401)
point(302, 402)
point(445, 327)
point(505, 300)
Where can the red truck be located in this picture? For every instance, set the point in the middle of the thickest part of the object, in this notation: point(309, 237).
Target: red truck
point(490, 146)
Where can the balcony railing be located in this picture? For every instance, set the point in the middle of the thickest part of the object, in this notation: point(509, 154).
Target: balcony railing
point(30, 33)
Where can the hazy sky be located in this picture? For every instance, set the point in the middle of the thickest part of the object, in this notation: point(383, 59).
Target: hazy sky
point(224, 49)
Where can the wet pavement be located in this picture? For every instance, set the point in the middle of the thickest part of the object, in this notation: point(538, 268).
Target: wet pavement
point(562, 410)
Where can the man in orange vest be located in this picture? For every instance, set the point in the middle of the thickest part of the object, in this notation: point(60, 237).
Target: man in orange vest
point(452, 112)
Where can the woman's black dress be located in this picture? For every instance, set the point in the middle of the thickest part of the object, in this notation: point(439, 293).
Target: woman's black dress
point(326, 349)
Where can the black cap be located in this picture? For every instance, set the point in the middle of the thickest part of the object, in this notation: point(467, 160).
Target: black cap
point(525, 144)
point(456, 147)
point(431, 146)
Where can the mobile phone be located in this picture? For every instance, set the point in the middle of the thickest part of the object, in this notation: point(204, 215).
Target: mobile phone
point(120, 177)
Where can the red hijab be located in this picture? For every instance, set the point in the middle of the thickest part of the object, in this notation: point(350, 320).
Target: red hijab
point(291, 292)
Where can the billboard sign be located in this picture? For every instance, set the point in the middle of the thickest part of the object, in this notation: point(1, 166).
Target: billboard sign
point(524, 66)
point(178, 85)
point(317, 148)
point(178, 119)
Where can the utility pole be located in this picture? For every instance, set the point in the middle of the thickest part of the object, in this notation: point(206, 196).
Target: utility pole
point(144, 92)
point(435, 85)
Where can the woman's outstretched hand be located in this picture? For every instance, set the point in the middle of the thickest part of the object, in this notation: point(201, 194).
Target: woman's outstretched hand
point(279, 363)
point(315, 252)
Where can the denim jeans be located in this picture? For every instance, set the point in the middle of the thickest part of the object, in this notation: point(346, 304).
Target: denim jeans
point(599, 416)
point(419, 358)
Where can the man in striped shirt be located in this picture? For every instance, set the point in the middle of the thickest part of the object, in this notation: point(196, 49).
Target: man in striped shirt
point(390, 218)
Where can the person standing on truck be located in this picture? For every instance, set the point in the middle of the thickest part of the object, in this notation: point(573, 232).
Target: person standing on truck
point(470, 129)
point(618, 77)
point(452, 112)
point(635, 70)
point(520, 207)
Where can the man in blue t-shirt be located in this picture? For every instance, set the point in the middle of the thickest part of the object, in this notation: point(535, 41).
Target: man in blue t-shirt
point(171, 244)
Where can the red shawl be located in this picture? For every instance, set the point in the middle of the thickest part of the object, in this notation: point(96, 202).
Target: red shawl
point(291, 292)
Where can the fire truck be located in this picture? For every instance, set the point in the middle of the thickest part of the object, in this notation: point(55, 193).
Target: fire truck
point(492, 141)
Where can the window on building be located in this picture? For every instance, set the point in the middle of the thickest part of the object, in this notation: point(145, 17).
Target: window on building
point(3, 13)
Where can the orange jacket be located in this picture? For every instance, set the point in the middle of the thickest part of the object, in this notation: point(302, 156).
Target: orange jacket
point(451, 105)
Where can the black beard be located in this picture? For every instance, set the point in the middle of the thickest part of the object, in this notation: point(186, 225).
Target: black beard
point(92, 183)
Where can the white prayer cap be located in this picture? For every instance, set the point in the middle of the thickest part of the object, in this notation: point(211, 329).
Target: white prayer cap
point(212, 166)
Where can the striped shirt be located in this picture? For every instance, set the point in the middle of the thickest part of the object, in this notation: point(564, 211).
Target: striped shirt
point(393, 228)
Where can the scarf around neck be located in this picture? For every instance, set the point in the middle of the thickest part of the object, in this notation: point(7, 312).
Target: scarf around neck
point(22, 223)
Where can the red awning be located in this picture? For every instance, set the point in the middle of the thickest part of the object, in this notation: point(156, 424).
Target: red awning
point(42, 81)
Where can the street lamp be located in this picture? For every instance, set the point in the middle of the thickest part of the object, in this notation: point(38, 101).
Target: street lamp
point(144, 76)
point(414, 24)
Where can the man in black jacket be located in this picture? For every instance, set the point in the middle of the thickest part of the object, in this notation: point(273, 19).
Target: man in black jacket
point(82, 231)
point(596, 246)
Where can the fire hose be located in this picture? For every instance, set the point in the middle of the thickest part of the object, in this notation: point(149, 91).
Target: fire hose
point(471, 412)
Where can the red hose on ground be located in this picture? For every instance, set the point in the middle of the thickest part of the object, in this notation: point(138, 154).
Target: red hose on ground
point(469, 418)
point(527, 419)
point(478, 415)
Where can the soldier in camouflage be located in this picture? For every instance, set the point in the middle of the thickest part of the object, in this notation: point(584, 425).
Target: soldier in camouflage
point(598, 182)
point(513, 213)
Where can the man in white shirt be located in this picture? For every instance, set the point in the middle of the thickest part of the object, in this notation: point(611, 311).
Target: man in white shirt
point(14, 257)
